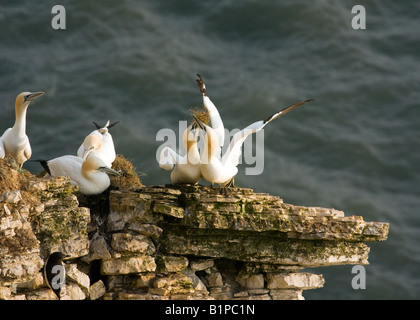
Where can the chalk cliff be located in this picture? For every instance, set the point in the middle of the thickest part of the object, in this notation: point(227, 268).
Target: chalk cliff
point(169, 242)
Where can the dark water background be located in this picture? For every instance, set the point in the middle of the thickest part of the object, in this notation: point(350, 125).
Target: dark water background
point(355, 148)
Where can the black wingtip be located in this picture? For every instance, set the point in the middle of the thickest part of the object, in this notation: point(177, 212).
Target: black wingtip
point(96, 125)
point(287, 109)
point(201, 85)
point(44, 164)
point(113, 124)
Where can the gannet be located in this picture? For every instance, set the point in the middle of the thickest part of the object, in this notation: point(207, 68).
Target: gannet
point(90, 175)
point(14, 141)
point(185, 169)
point(223, 171)
point(100, 144)
point(215, 119)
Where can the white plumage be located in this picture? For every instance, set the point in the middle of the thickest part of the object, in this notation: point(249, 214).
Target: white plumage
point(90, 175)
point(215, 119)
point(185, 169)
point(222, 171)
point(99, 143)
point(14, 141)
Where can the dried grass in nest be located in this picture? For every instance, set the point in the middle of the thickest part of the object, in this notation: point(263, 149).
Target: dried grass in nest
point(11, 179)
point(201, 114)
point(128, 180)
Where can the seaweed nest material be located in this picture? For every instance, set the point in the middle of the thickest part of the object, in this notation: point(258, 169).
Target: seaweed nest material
point(201, 114)
point(128, 180)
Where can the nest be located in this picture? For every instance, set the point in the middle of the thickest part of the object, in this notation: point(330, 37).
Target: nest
point(201, 114)
point(128, 180)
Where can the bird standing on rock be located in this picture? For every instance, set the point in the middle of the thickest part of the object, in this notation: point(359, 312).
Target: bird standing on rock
point(185, 169)
point(14, 141)
point(223, 171)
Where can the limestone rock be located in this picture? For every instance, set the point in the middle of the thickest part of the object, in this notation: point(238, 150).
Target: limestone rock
point(128, 209)
point(286, 294)
point(294, 281)
point(176, 283)
point(97, 290)
point(98, 249)
point(42, 294)
point(167, 209)
point(35, 283)
point(214, 280)
point(170, 242)
point(127, 243)
point(258, 247)
point(80, 278)
point(18, 297)
point(62, 224)
point(201, 264)
point(19, 267)
point(146, 229)
point(11, 197)
point(251, 281)
point(72, 292)
point(144, 280)
point(171, 264)
point(128, 265)
point(5, 293)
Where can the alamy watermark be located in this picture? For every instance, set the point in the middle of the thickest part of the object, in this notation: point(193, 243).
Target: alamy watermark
point(59, 20)
point(359, 280)
point(59, 278)
point(359, 20)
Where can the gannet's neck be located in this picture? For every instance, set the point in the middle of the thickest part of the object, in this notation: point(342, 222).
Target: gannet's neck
point(211, 145)
point(88, 169)
point(20, 120)
point(189, 139)
point(193, 155)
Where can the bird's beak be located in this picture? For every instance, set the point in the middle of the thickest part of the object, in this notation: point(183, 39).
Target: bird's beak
point(32, 96)
point(198, 122)
point(109, 171)
point(86, 152)
point(195, 133)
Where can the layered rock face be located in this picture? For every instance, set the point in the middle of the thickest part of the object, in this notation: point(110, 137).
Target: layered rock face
point(46, 220)
point(229, 243)
point(172, 242)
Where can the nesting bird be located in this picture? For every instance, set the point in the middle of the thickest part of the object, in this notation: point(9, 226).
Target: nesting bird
point(223, 171)
point(99, 143)
point(14, 141)
point(90, 175)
